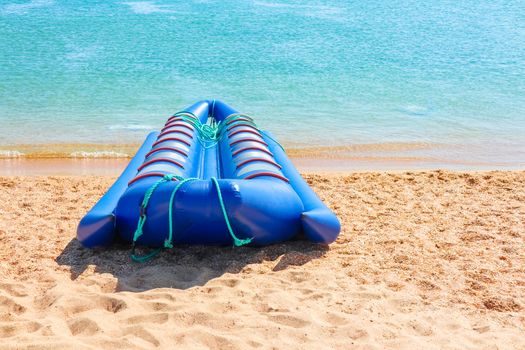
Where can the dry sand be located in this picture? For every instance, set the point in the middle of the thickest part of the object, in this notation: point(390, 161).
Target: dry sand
point(426, 260)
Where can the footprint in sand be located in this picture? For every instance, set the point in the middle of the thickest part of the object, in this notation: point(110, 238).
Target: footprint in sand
point(142, 334)
point(160, 306)
point(112, 304)
point(154, 296)
point(254, 344)
point(16, 328)
point(15, 290)
point(288, 320)
point(8, 305)
point(213, 341)
point(298, 277)
point(157, 318)
point(180, 277)
point(83, 326)
point(357, 333)
point(70, 306)
point(334, 319)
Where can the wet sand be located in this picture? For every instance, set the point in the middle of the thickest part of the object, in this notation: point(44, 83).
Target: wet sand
point(21, 166)
point(110, 159)
point(431, 260)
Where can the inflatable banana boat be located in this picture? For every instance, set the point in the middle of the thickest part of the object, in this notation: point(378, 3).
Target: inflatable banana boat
point(209, 177)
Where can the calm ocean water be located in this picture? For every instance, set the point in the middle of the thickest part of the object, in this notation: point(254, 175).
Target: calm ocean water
point(316, 73)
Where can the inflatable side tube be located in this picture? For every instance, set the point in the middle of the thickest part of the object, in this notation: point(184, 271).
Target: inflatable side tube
point(320, 225)
point(97, 228)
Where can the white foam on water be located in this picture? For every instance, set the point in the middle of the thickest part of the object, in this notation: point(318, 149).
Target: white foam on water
point(25, 7)
point(132, 127)
point(99, 154)
point(148, 7)
point(10, 154)
point(325, 12)
point(319, 11)
point(414, 110)
point(296, 6)
point(273, 4)
point(82, 53)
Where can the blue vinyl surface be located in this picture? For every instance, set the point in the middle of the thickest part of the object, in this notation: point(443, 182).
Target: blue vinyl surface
point(265, 197)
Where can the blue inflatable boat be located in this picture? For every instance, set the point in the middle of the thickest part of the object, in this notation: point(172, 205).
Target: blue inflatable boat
point(209, 177)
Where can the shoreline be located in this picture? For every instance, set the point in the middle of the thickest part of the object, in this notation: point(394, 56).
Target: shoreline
point(127, 150)
point(111, 159)
point(114, 166)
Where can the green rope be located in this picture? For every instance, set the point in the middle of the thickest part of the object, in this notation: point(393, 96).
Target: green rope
point(206, 134)
point(168, 243)
point(210, 135)
point(144, 205)
point(142, 220)
point(236, 241)
point(144, 258)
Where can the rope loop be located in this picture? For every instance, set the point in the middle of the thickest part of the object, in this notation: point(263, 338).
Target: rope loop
point(236, 241)
point(211, 134)
point(168, 243)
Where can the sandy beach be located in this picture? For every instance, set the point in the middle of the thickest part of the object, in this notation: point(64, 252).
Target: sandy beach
point(426, 260)
point(366, 99)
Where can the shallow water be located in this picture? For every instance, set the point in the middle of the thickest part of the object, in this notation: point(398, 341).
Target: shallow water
point(315, 73)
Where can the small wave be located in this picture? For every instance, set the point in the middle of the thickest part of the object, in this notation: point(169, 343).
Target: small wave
point(414, 110)
point(272, 4)
point(306, 10)
point(99, 154)
point(294, 6)
point(23, 8)
point(148, 7)
point(81, 53)
point(132, 127)
point(10, 154)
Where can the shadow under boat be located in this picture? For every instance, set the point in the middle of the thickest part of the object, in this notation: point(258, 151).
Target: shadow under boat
point(183, 267)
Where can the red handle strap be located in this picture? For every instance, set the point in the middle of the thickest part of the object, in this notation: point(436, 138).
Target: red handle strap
point(172, 139)
point(255, 132)
point(237, 119)
point(178, 121)
point(166, 149)
point(160, 160)
point(184, 125)
point(248, 139)
point(176, 132)
point(267, 174)
point(178, 117)
point(241, 124)
point(258, 160)
point(145, 175)
point(250, 149)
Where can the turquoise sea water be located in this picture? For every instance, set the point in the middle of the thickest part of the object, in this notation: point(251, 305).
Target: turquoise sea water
point(316, 73)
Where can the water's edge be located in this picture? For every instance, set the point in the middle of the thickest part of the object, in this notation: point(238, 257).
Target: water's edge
point(110, 159)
